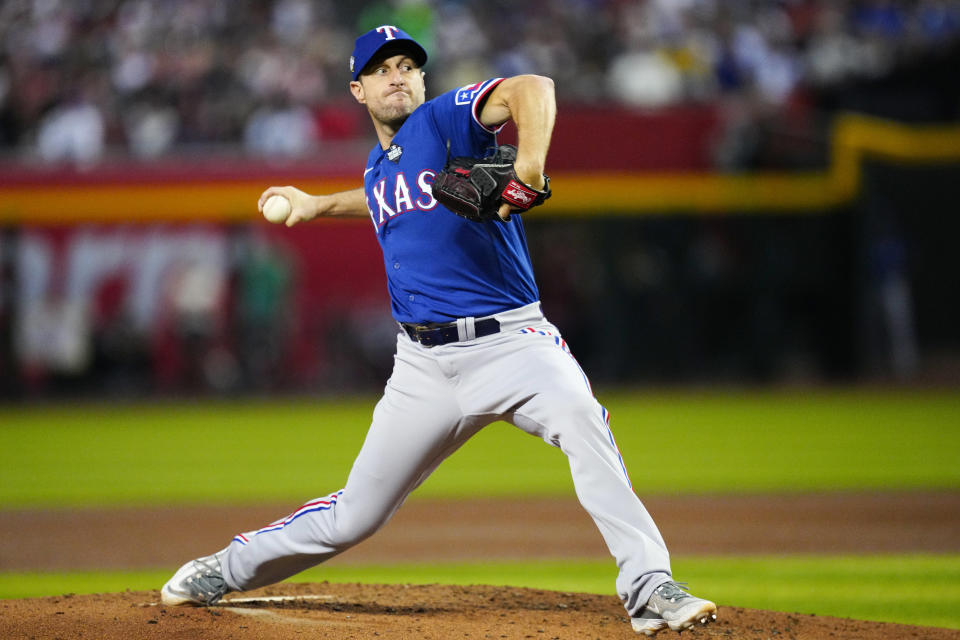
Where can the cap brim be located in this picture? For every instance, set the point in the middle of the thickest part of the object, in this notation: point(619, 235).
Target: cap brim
point(389, 49)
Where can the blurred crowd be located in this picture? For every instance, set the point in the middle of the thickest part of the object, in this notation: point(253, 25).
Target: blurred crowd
point(81, 80)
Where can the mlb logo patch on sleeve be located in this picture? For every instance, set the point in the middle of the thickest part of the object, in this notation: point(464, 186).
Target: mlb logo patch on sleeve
point(465, 95)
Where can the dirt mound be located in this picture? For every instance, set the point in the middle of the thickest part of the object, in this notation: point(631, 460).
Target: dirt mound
point(421, 612)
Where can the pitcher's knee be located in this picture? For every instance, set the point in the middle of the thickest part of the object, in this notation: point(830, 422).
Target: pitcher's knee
point(353, 529)
point(581, 409)
point(573, 417)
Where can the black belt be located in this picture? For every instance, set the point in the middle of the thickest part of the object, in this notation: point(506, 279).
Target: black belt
point(432, 334)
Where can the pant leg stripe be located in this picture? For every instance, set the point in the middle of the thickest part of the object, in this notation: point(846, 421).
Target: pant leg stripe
point(613, 443)
point(310, 507)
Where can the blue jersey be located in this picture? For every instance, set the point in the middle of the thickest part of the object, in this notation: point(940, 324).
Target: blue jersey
point(440, 266)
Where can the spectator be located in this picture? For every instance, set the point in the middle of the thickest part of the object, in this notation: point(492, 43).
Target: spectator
point(72, 132)
point(158, 77)
point(281, 130)
point(644, 77)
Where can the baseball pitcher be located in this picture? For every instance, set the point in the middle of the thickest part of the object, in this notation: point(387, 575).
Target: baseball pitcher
point(473, 346)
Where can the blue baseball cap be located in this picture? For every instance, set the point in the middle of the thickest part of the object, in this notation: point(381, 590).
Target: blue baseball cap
point(372, 42)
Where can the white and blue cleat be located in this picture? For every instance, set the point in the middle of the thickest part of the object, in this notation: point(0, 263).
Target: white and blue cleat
point(672, 607)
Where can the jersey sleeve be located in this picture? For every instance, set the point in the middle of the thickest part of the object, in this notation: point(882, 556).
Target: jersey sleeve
point(457, 118)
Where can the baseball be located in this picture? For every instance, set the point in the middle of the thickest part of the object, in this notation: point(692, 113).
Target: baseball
point(276, 209)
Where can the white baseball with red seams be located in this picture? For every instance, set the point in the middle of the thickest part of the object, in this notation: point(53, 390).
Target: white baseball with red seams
point(276, 209)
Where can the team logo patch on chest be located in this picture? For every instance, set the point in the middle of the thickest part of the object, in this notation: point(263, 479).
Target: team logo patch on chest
point(394, 153)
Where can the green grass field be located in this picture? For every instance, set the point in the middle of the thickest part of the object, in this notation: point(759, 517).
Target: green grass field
point(99, 454)
point(673, 443)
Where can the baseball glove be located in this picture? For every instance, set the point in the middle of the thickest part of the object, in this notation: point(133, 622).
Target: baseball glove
point(476, 187)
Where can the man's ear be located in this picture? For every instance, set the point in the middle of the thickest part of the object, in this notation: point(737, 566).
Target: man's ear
point(357, 90)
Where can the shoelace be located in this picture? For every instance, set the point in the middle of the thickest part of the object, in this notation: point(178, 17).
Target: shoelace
point(209, 580)
point(673, 591)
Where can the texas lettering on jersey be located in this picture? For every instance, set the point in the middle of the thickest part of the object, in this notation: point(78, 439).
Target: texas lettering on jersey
point(402, 176)
point(391, 200)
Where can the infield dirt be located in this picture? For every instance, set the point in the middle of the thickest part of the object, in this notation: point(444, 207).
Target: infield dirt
point(432, 531)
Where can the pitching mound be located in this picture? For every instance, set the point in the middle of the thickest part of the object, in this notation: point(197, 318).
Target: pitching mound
point(356, 611)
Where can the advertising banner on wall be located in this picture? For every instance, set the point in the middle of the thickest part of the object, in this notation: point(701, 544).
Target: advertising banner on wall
point(181, 306)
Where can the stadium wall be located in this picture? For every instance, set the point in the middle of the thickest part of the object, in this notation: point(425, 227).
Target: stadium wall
point(839, 273)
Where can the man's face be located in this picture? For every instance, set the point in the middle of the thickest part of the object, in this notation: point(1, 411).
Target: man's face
point(391, 89)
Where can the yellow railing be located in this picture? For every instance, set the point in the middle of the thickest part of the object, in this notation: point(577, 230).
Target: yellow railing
point(854, 139)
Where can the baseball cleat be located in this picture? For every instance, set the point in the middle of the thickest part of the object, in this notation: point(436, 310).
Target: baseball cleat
point(198, 583)
point(670, 606)
point(648, 623)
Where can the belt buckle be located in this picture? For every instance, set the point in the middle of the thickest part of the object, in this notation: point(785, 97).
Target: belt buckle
point(419, 334)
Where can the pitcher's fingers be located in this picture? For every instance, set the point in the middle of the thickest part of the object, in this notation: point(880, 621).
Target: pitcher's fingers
point(270, 191)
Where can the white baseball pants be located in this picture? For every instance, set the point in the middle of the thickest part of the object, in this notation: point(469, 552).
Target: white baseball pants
point(436, 399)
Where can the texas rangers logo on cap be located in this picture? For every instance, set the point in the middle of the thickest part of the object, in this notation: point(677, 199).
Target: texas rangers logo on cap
point(385, 37)
point(389, 31)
